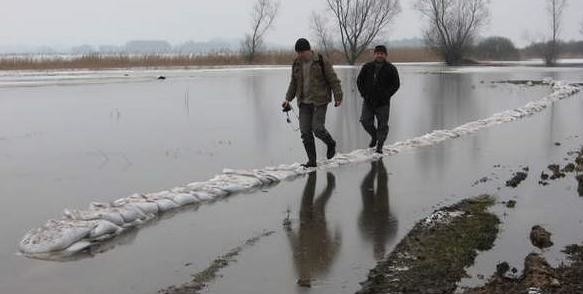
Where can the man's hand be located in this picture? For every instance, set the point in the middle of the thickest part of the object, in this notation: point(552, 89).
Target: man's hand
point(285, 106)
point(337, 103)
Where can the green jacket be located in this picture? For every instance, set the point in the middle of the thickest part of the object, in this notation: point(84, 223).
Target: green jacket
point(323, 81)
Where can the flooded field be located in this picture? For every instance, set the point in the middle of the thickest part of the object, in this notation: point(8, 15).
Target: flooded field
point(71, 140)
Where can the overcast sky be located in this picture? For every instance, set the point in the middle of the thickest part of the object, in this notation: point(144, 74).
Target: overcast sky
point(74, 22)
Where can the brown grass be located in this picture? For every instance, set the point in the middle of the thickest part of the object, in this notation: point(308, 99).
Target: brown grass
point(97, 62)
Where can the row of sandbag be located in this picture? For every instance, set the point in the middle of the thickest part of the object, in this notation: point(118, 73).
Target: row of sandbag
point(79, 229)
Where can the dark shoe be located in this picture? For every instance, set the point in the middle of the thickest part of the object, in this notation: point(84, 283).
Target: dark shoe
point(309, 164)
point(331, 179)
point(373, 142)
point(331, 151)
point(379, 149)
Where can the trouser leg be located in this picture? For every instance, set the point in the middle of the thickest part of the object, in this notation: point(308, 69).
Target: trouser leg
point(318, 125)
point(306, 130)
point(382, 114)
point(367, 121)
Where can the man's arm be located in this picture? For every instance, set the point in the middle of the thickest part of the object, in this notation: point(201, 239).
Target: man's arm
point(394, 81)
point(360, 81)
point(292, 88)
point(333, 81)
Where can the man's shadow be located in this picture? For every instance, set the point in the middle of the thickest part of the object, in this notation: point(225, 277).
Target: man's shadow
point(375, 221)
point(314, 246)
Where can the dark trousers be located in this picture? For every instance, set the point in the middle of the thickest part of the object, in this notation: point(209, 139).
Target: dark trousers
point(367, 118)
point(312, 120)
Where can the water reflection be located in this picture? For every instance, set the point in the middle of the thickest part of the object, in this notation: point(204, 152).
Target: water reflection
point(256, 97)
point(450, 100)
point(314, 246)
point(346, 126)
point(375, 221)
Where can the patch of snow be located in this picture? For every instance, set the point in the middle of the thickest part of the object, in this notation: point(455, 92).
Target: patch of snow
point(534, 290)
point(441, 217)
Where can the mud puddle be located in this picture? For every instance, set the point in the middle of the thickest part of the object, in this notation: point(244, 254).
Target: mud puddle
point(203, 278)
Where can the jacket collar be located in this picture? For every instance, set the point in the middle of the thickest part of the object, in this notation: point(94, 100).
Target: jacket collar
point(315, 58)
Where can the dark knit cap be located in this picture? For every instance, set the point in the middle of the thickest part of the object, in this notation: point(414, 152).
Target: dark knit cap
point(302, 45)
point(380, 48)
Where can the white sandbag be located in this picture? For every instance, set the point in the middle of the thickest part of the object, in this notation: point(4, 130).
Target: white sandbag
point(131, 213)
point(166, 204)
point(55, 235)
point(203, 195)
point(263, 178)
point(109, 214)
point(236, 183)
point(76, 247)
point(208, 187)
point(150, 208)
point(103, 228)
point(183, 199)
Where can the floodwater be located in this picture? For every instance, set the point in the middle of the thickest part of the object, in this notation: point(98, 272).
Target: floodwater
point(66, 143)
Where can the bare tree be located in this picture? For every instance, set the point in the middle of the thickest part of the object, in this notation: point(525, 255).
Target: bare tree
point(555, 9)
point(262, 17)
point(322, 33)
point(361, 21)
point(453, 25)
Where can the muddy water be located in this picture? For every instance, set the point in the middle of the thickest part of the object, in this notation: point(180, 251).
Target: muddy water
point(67, 145)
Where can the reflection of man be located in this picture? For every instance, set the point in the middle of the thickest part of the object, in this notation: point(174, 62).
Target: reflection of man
point(313, 81)
point(314, 247)
point(377, 82)
point(375, 220)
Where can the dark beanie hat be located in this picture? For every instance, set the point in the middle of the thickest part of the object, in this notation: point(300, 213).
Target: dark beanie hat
point(302, 45)
point(380, 48)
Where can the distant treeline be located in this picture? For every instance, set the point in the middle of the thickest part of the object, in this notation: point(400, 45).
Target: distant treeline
point(569, 49)
point(500, 48)
point(132, 47)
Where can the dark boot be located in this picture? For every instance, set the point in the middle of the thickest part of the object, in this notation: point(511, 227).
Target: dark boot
point(373, 142)
point(379, 148)
point(331, 150)
point(322, 134)
point(367, 120)
point(311, 152)
point(309, 165)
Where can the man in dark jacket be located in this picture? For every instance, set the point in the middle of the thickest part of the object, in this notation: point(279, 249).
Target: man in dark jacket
point(377, 82)
point(313, 81)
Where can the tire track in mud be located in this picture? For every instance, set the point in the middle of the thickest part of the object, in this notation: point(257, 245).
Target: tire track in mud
point(201, 279)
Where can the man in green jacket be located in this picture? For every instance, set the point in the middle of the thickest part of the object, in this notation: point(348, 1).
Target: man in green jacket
point(313, 81)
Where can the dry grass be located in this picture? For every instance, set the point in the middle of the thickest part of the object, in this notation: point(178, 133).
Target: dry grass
point(96, 61)
point(395, 55)
point(414, 55)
